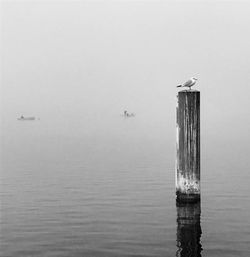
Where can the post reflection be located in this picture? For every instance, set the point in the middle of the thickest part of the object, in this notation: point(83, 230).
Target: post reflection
point(188, 230)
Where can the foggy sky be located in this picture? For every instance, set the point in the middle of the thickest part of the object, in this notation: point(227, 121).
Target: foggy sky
point(96, 58)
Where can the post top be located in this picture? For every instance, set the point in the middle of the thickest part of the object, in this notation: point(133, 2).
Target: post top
point(189, 91)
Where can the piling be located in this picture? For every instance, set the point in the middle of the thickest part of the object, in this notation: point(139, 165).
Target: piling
point(188, 230)
point(188, 146)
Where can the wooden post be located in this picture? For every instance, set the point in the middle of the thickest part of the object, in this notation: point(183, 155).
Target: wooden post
point(188, 146)
point(188, 229)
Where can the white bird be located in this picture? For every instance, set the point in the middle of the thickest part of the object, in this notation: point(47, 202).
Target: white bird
point(189, 83)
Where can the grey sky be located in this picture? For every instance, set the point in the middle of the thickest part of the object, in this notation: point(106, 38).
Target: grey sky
point(90, 58)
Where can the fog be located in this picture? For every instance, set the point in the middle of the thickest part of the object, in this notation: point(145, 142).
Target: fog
point(90, 60)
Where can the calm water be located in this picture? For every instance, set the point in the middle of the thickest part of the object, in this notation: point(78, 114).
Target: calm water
point(85, 188)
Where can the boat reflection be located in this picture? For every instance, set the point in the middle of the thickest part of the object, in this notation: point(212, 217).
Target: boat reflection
point(188, 230)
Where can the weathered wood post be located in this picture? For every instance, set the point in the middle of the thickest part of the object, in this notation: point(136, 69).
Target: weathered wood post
point(188, 229)
point(188, 146)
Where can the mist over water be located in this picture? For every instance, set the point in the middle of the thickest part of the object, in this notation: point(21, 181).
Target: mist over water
point(82, 180)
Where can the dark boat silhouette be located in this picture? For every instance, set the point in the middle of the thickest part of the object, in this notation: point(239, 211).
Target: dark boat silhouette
point(26, 118)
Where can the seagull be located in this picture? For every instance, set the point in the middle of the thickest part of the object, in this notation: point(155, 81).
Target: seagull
point(189, 83)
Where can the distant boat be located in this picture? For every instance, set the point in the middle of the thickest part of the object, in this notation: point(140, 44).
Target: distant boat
point(126, 114)
point(26, 118)
point(130, 115)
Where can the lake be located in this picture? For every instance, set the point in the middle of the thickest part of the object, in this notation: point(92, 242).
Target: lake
point(96, 187)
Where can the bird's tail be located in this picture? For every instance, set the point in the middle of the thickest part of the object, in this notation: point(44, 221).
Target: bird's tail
point(179, 86)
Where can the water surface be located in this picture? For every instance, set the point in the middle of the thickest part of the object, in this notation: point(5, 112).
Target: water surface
point(88, 188)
